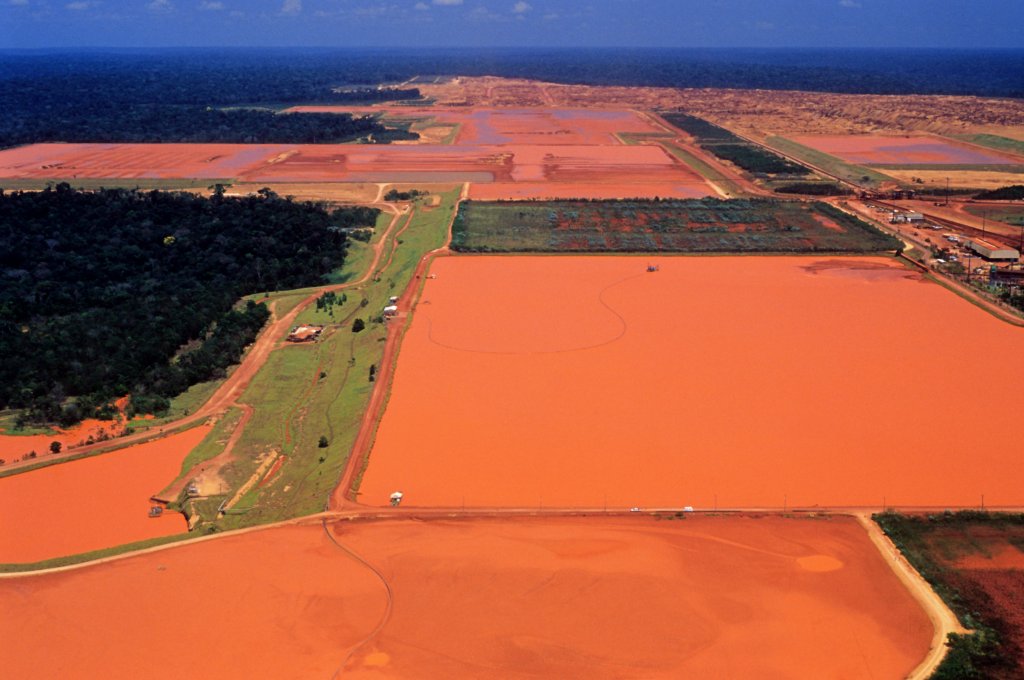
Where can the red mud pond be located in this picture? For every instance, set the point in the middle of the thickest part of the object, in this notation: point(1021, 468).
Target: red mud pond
point(91, 503)
point(872, 150)
point(543, 126)
point(587, 597)
point(714, 382)
point(564, 170)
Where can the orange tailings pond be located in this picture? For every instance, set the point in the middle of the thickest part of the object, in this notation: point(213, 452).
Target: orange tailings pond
point(91, 503)
point(716, 381)
point(734, 597)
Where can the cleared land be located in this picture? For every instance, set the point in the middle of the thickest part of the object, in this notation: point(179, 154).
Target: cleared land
point(910, 150)
point(558, 171)
point(736, 382)
point(705, 225)
point(91, 503)
point(600, 597)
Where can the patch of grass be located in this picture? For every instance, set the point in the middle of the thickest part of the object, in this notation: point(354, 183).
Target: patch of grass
point(995, 142)
point(952, 167)
point(855, 174)
point(94, 184)
point(8, 423)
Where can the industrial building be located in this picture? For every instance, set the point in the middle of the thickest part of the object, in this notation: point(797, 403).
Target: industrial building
point(992, 251)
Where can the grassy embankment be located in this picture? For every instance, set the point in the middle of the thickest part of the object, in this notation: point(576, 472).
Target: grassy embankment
point(127, 183)
point(994, 142)
point(305, 392)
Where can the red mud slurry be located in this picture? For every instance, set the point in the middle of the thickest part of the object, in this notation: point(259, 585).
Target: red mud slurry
point(869, 150)
point(519, 170)
point(736, 381)
point(535, 598)
point(91, 503)
point(271, 604)
point(544, 127)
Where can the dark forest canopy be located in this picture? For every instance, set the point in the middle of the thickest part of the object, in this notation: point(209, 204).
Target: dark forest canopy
point(163, 95)
point(246, 76)
point(99, 291)
point(192, 124)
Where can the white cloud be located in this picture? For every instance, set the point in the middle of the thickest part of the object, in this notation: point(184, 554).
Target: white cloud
point(421, 6)
point(19, 3)
point(160, 6)
point(849, 3)
point(211, 6)
point(448, 2)
point(521, 7)
point(78, 6)
point(291, 7)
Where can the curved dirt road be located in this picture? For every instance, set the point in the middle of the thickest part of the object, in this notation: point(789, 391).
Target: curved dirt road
point(942, 618)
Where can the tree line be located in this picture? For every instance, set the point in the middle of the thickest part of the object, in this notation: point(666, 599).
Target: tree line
point(121, 291)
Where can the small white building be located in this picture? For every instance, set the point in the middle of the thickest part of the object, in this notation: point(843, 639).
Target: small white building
point(992, 251)
point(391, 310)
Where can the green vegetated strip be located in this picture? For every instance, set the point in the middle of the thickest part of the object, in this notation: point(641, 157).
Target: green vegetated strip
point(89, 184)
point(635, 138)
point(836, 167)
point(931, 543)
point(953, 167)
point(1009, 214)
point(995, 142)
point(305, 392)
point(706, 225)
point(727, 146)
point(1014, 192)
point(54, 563)
point(731, 188)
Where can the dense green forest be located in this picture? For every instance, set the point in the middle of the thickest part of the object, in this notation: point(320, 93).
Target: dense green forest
point(160, 123)
point(812, 189)
point(104, 98)
point(736, 150)
point(100, 291)
point(1014, 192)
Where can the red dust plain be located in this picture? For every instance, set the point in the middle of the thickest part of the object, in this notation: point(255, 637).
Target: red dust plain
point(538, 597)
point(714, 382)
point(877, 150)
point(91, 503)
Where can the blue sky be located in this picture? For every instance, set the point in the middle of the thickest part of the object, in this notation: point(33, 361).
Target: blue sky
point(506, 23)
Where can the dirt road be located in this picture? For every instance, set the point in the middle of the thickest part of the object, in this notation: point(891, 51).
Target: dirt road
point(942, 618)
point(342, 495)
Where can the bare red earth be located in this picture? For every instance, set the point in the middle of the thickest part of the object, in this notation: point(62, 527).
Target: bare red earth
point(91, 503)
point(728, 381)
point(535, 598)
